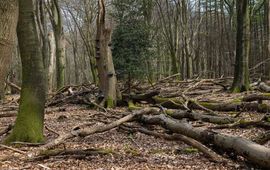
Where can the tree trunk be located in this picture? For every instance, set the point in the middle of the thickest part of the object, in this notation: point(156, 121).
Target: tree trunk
point(51, 67)
point(106, 72)
point(8, 20)
point(59, 44)
point(241, 70)
point(29, 123)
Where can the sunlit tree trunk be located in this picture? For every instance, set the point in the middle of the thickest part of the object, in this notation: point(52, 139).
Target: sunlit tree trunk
point(241, 70)
point(29, 123)
point(8, 22)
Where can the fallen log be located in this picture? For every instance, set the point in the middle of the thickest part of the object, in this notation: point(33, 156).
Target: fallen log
point(189, 141)
point(179, 114)
point(253, 152)
point(262, 122)
point(256, 97)
point(173, 103)
point(97, 128)
point(74, 98)
point(141, 97)
point(78, 153)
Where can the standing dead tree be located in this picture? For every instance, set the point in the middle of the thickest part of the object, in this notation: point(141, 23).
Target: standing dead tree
point(106, 72)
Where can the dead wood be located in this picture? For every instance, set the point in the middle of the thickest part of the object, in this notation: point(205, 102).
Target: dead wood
point(8, 114)
point(256, 97)
point(263, 87)
point(13, 149)
point(254, 153)
point(178, 137)
point(263, 138)
point(6, 130)
point(141, 97)
point(244, 124)
point(97, 128)
point(73, 99)
point(198, 92)
point(173, 103)
point(78, 153)
point(14, 86)
point(179, 114)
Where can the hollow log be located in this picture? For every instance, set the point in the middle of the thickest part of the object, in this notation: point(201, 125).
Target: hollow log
point(253, 152)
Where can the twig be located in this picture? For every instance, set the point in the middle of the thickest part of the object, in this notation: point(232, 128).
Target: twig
point(13, 86)
point(28, 144)
point(43, 166)
point(6, 130)
point(51, 130)
point(13, 149)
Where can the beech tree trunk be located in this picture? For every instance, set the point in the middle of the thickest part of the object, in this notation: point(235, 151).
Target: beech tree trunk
point(59, 43)
point(106, 72)
point(29, 123)
point(8, 23)
point(241, 70)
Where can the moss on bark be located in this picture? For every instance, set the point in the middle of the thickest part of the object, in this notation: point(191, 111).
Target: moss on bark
point(29, 123)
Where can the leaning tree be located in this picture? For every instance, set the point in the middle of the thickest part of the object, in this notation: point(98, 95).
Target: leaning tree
point(29, 123)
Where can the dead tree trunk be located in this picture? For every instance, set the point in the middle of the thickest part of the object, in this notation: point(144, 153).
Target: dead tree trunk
point(253, 152)
point(106, 72)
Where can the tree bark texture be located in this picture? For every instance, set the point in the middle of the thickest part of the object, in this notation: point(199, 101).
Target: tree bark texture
point(241, 72)
point(105, 67)
point(29, 123)
point(253, 152)
point(8, 24)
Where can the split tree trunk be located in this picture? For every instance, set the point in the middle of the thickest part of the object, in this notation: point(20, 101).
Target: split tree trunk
point(106, 72)
point(8, 23)
point(29, 123)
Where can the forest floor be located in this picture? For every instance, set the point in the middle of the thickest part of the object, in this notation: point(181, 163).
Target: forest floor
point(124, 150)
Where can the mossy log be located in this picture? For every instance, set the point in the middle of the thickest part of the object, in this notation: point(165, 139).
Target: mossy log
point(173, 103)
point(253, 152)
point(256, 97)
point(179, 114)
